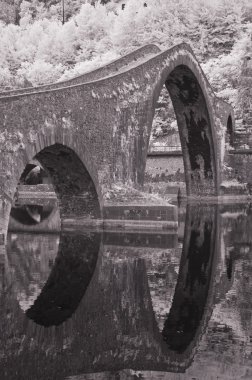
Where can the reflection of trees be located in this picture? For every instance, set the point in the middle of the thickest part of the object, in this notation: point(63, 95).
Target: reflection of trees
point(30, 258)
point(226, 346)
point(162, 269)
point(234, 303)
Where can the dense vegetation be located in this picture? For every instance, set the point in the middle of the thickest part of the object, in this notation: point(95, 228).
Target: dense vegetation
point(42, 49)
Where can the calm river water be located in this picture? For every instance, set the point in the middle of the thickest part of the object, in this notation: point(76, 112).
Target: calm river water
point(86, 305)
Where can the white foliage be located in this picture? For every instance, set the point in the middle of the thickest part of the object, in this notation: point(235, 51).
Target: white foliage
point(5, 77)
point(93, 30)
point(92, 35)
point(40, 72)
point(224, 72)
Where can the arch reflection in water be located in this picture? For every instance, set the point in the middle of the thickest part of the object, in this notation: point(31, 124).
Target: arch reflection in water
point(114, 326)
point(29, 208)
point(70, 275)
point(189, 307)
point(31, 214)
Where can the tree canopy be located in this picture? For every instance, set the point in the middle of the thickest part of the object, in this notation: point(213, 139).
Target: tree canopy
point(41, 49)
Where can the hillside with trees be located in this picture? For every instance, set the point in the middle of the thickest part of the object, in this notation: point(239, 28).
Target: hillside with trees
point(41, 47)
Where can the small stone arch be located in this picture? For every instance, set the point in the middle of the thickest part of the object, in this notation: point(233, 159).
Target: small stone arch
point(230, 130)
point(73, 184)
point(73, 177)
point(191, 102)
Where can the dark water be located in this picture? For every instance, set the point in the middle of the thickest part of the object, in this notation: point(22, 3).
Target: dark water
point(86, 305)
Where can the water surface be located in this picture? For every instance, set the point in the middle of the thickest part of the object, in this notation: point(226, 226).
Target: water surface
point(88, 305)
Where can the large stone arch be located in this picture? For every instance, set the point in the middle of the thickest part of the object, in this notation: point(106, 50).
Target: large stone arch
point(194, 112)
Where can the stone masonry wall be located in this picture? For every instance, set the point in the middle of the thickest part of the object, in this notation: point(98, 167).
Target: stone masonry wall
point(107, 124)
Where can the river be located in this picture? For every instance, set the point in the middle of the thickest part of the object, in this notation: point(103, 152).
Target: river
point(85, 305)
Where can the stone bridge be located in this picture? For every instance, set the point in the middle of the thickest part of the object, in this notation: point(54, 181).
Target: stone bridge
point(91, 133)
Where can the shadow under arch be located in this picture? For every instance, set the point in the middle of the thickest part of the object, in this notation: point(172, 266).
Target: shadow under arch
point(195, 126)
point(72, 182)
point(69, 279)
point(230, 130)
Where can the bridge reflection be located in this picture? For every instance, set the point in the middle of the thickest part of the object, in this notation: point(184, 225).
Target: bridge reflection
point(35, 206)
point(70, 276)
point(112, 291)
point(32, 214)
point(194, 280)
point(69, 260)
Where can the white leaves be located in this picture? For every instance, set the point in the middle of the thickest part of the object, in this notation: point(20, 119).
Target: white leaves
point(224, 72)
point(93, 35)
point(5, 76)
point(40, 72)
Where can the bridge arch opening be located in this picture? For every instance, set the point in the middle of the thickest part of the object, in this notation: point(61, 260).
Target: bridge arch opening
point(56, 175)
point(194, 128)
point(230, 130)
point(164, 171)
point(72, 182)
